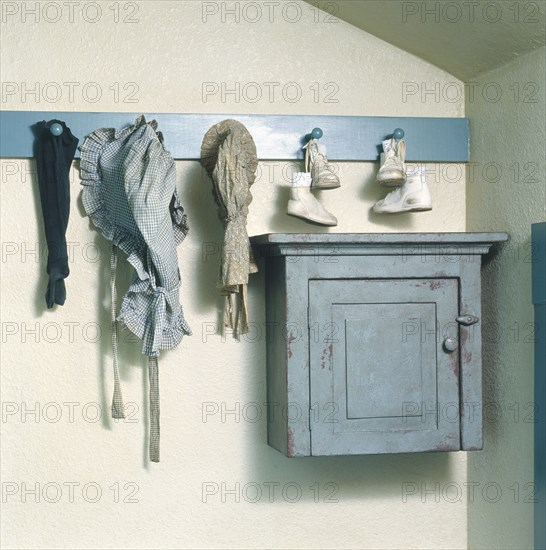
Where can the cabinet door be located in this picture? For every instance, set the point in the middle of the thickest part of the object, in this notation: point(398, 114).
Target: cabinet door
point(382, 378)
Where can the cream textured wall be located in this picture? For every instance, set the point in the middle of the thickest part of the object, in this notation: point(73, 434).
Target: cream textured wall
point(169, 52)
point(509, 149)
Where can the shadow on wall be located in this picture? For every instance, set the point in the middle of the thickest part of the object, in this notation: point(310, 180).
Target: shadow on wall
point(129, 346)
point(40, 306)
point(508, 405)
point(207, 233)
point(491, 361)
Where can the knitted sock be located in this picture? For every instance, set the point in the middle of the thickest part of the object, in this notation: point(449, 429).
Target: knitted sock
point(54, 156)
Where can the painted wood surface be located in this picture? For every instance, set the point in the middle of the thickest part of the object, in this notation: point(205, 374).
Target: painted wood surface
point(381, 380)
point(281, 137)
point(299, 262)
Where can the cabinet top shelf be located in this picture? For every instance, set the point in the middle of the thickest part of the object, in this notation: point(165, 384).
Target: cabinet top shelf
point(374, 244)
point(378, 238)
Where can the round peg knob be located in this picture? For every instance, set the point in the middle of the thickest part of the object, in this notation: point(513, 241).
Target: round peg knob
point(317, 133)
point(56, 129)
point(450, 344)
point(398, 133)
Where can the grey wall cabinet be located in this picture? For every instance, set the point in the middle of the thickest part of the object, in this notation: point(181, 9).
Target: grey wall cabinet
point(373, 341)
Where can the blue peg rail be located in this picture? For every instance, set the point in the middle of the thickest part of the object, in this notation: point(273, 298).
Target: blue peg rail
point(277, 137)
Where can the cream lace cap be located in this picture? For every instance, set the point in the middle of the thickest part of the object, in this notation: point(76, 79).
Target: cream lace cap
point(228, 154)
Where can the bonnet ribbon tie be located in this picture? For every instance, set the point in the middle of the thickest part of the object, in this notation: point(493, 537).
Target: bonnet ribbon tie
point(117, 400)
point(159, 312)
point(153, 374)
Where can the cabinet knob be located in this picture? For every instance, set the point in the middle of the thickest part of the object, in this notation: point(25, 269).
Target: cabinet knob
point(450, 344)
point(467, 320)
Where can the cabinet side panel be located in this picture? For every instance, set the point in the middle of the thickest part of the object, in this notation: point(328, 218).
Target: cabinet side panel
point(296, 339)
point(471, 399)
point(277, 434)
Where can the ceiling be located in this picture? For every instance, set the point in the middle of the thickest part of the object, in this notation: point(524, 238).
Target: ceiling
point(463, 37)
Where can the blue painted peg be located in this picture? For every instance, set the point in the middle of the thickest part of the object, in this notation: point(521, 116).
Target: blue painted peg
point(56, 129)
point(398, 134)
point(317, 133)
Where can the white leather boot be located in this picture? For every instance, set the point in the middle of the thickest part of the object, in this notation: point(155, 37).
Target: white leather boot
point(392, 171)
point(303, 204)
point(413, 196)
point(323, 174)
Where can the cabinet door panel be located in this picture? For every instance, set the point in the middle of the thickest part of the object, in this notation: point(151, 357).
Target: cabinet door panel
point(378, 366)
